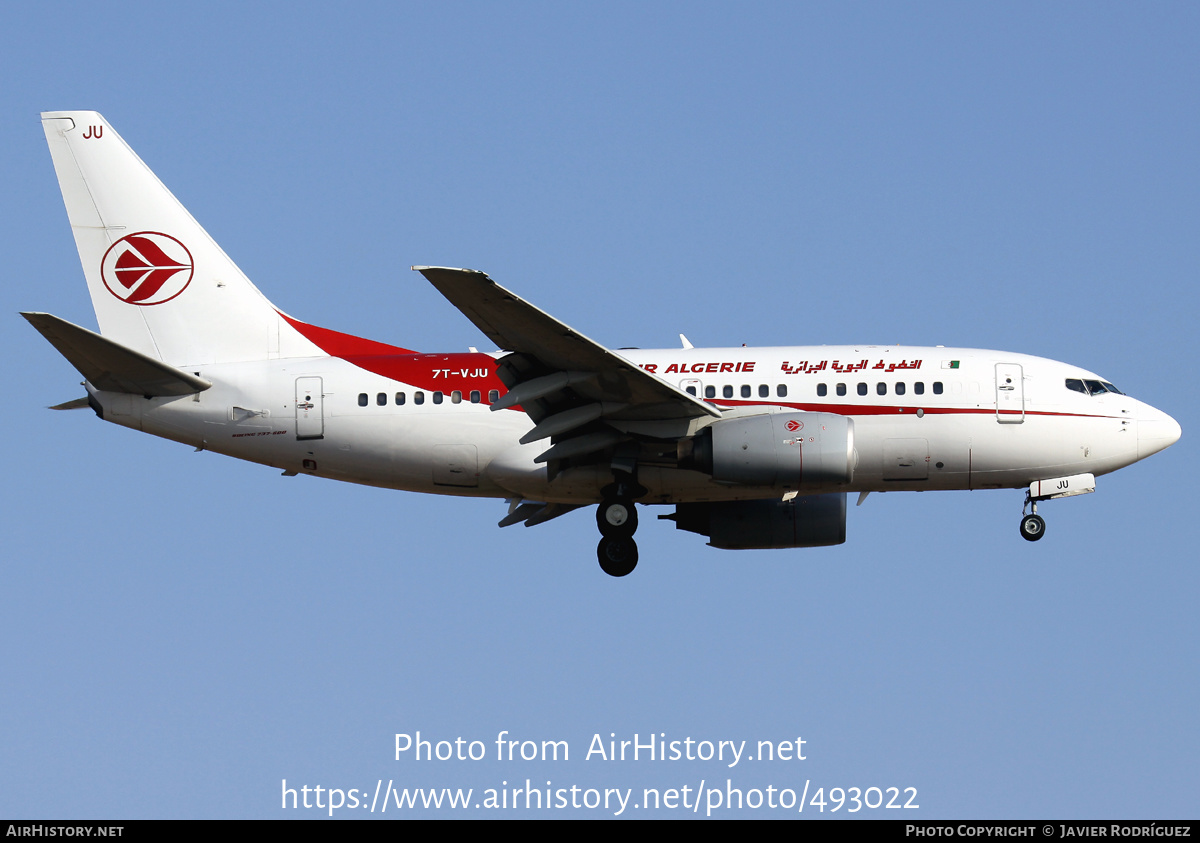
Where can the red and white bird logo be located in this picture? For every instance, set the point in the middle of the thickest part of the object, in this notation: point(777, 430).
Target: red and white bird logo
point(146, 268)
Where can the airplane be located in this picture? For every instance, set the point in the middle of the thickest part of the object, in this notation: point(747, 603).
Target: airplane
point(753, 447)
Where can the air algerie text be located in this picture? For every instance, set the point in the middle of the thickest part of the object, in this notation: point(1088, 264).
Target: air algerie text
point(698, 368)
point(658, 748)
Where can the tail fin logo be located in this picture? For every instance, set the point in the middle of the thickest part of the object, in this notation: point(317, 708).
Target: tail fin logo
point(146, 268)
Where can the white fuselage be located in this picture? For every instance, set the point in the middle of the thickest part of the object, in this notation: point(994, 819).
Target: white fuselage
point(930, 418)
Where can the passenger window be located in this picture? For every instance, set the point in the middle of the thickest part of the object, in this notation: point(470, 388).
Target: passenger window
point(493, 396)
point(437, 397)
point(881, 388)
point(710, 392)
point(764, 391)
point(362, 399)
point(474, 396)
point(456, 396)
point(399, 398)
point(745, 390)
point(727, 391)
point(841, 389)
point(822, 390)
point(418, 397)
point(937, 387)
point(862, 389)
point(381, 399)
point(919, 387)
point(691, 390)
point(900, 389)
point(781, 390)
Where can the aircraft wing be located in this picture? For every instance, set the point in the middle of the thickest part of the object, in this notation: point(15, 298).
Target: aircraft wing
point(549, 357)
point(585, 400)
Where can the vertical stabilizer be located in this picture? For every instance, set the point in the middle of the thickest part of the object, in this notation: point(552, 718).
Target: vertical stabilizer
point(159, 283)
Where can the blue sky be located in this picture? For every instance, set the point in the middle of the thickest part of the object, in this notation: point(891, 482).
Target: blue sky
point(182, 632)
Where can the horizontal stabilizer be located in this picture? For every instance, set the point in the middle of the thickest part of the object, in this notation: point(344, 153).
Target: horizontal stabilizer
point(110, 366)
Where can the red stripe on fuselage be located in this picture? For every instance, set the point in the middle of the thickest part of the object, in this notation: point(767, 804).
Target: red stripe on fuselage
point(473, 370)
point(445, 372)
point(337, 344)
point(891, 409)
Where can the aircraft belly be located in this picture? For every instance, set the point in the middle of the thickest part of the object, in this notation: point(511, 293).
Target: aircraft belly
point(421, 452)
point(516, 471)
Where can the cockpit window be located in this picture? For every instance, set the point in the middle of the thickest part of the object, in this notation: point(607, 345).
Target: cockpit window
point(1089, 387)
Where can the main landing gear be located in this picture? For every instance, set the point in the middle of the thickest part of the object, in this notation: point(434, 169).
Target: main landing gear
point(1033, 526)
point(618, 556)
point(617, 519)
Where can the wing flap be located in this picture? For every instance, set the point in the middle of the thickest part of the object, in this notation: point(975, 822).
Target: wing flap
point(110, 366)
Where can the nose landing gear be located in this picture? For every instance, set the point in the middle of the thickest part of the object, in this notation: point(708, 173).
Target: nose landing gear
point(1033, 526)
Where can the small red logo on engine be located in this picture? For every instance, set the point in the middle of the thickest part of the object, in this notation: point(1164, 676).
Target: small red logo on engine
point(794, 425)
point(146, 268)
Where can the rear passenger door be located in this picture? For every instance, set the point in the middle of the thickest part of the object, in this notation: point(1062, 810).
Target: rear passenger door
point(310, 414)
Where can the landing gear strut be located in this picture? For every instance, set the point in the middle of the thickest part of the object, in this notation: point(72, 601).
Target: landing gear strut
point(1033, 526)
point(617, 519)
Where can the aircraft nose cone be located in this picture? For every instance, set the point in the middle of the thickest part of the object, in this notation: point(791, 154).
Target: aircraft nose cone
point(1156, 431)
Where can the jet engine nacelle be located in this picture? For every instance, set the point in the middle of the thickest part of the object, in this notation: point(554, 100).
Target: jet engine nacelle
point(790, 450)
point(813, 521)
